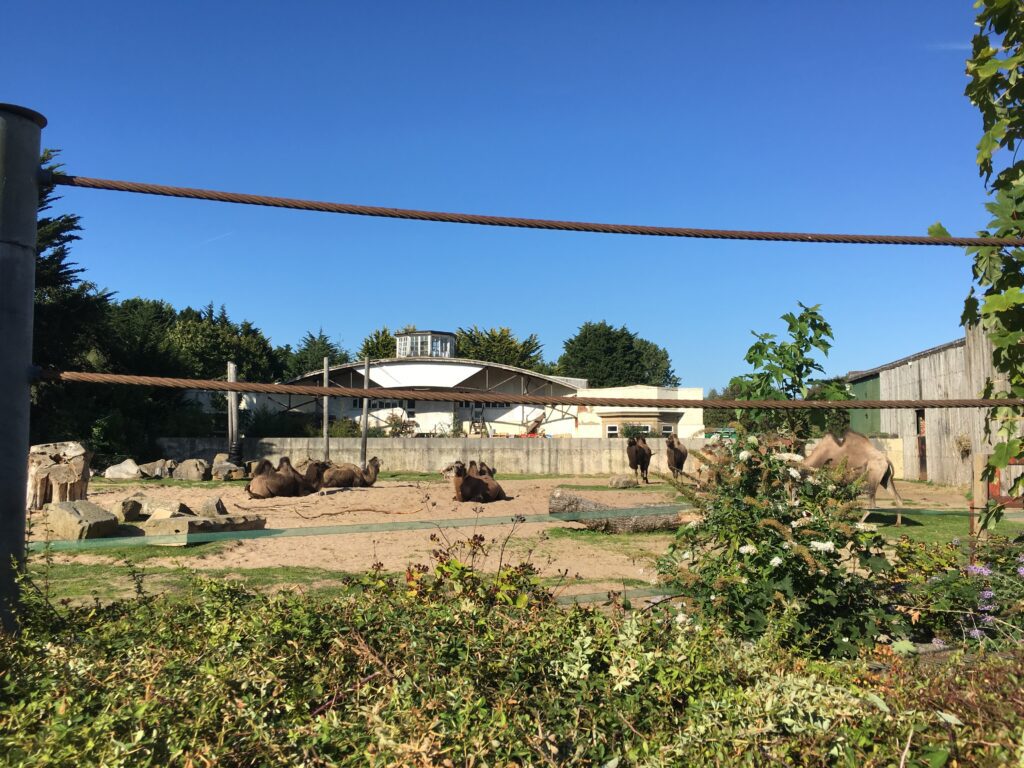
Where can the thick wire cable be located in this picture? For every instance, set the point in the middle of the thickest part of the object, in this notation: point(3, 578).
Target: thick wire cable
point(511, 221)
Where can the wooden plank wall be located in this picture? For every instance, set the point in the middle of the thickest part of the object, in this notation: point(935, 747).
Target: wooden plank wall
point(951, 373)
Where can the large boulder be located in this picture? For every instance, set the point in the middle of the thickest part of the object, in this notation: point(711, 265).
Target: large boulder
point(192, 469)
point(220, 458)
point(162, 509)
point(158, 468)
point(129, 510)
point(225, 470)
point(57, 472)
point(142, 507)
point(185, 526)
point(623, 481)
point(213, 507)
point(126, 470)
point(78, 520)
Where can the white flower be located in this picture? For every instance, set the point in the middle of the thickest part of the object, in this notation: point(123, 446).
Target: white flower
point(752, 440)
point(800, 522)
point(682, 619)
point(865, 526)
point(748, 549)
point(775, 562)
point(794, 472)
point(822, 546)
point(744, 455)
point(786, 545)
point(743, 579)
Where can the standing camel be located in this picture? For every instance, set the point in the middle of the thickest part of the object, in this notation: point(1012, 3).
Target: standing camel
point(639, 454)
point(863, 462)
point(675, 453)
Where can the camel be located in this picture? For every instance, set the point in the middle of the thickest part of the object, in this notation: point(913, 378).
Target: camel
point(479, 488)
point(351, 476)
point(268, 482)
point(675, 453)
point(639, 454)
point(862, 460)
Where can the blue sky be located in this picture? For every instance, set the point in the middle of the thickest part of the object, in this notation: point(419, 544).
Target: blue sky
point(842, 117)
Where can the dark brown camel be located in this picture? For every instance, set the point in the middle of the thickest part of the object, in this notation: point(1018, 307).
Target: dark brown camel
point(479, 488)
point(675, 454)
point(639, 454)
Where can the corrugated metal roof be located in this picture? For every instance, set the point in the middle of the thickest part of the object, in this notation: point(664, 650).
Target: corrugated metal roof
point(853, 376)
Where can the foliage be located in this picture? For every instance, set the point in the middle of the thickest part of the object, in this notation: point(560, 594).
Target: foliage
point(615, 357)
point(311, 353)
point(634, 430)
point(996, 88)
point(500, 345)
point(783, 371)
point(206, 341)
point(379, 345)
point(446, 665)
point(774, 549)
point(396, 425)
point(266, 422)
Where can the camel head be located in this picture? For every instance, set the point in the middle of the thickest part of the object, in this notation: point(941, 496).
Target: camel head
point(631, 442)
point(459, 469)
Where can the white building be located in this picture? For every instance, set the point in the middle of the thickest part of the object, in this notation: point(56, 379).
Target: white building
point(427, 361)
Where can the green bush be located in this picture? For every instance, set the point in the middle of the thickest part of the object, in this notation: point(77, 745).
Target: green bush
point(778, 544)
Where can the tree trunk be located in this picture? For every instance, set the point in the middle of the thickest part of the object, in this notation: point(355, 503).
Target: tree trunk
point(563, 502)
point(57, 472)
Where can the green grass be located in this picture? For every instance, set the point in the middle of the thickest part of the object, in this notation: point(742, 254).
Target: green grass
point(652, 488)
point(936, 528)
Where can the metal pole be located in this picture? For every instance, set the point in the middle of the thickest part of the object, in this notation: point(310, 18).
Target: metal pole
point(20, 130)
point(232, 415)
point(327, 405)
point(366, 413)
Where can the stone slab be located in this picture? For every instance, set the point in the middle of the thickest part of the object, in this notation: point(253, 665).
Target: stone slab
point(79, 520)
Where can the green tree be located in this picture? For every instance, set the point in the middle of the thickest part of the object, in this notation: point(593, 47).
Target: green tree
point(721, 417)
point(614, 357)
point(205, 342)
point(311, 353)
point(996, 88)
point(499, 345)
point(378, 345)
point(783, 371)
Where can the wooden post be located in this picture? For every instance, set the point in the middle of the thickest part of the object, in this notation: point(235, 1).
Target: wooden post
point(232, 415)
point(20, 130)
point(979, 491)
point(327, 406)
point(366, 413)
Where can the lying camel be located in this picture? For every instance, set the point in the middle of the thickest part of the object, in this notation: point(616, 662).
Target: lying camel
point(863, 461)
point(639, 454)
point(285, 480)
point(476, 487)
point(351, 476)
point(675, 453)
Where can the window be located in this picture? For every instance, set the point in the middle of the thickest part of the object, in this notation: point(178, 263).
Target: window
point(410, 409)
point(666, 430)
point(613, 430)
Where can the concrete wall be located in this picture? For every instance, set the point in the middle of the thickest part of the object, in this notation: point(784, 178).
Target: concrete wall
point(566, 456)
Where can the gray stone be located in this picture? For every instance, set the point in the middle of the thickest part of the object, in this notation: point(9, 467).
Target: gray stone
point(225, 470)
point(160, 509)
point(186, 526)
point(79, 520)
point(126, 470)
point(213, 507)
point(192, 469)
point(129, 510)
point(156, 468)
point(623, 481)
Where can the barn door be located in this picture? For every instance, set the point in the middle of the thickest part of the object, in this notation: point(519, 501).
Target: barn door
point(922, 451)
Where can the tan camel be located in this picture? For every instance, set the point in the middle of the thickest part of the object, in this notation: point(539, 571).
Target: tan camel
point(351, 476)
point(863, 462)
point(639, 455)
point(268, 482)
point(675, 454)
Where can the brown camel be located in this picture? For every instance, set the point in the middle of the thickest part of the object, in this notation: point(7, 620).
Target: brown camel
point(675, 453)
point(351, 476)
point(268, 482)
point(479, 488)
point(639, 454)
point(863, 462)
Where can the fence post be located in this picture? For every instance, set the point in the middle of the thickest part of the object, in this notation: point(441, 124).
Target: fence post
point(366, 413)
point(20, 130)
point(233, 448)
point(327, 405)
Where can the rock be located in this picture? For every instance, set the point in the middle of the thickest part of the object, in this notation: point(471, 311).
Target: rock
point(158, 468)
point(79, 520)
point(126, 470)
point(160, 509)
point(220, 458)
point(225, 470)
point(192, 469)
point(57, 472)
point(213, 507)
point(186, 526)
point(595, 516)
point(129, 510)
point(623, 481)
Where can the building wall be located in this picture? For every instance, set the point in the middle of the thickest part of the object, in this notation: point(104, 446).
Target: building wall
point(866, 422)
point(686, 422)
point(581, 456)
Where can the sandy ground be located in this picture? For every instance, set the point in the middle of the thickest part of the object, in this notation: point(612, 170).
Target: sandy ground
point(591, 562)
